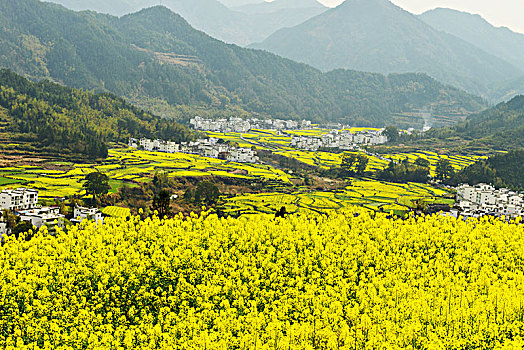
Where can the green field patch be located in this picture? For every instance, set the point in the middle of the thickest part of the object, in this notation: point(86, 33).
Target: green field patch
point(7, 181)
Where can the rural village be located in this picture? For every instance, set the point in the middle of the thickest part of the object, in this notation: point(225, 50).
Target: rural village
point(470, 201)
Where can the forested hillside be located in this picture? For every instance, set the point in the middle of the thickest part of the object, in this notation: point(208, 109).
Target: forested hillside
point(72, 122)
point(505, 170)
point(500, 127)
point(155, 59)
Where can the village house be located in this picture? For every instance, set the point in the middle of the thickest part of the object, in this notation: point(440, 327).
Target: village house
point(240, 125)
point(484, 199)
point(48, 216)
point(3, 231)
point(343, 140)
point(93, 214)
point(242, 155)
point(210, 148)
point(18, 199)
point(156, 145)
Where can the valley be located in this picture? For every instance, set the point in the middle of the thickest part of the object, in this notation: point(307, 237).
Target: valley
point(249, 174)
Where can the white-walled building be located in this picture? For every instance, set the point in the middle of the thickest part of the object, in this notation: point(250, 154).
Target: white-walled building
point(242, 155)
point(210, 147)
point(81, 214)
point(18, 199)
point(341, 139)
point(485, 199)
point(3, 231)
point(157, 145)
point(49, 216)
point(244, 125)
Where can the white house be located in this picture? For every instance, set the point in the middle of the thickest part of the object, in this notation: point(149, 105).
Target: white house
point(486, 200)
point(133, 143)
point(19, 199)
point(516, 201)
point(81, 214)
point(3, 231)
point(466, 193)
point(211, 152)
point(240, 125)
point(49, 216)
point(242, 155)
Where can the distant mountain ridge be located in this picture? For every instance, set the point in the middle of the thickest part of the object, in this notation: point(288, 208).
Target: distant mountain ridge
point(500, 42)
point(236, 3)
point(213, 17)
point(378, 36)
point(157, 60)
point(273, 6)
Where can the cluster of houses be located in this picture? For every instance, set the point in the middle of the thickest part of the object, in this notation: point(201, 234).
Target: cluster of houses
point(480, 200)
point(23, 202)
point(244, 125)
point(211, 148)
point(341, 139)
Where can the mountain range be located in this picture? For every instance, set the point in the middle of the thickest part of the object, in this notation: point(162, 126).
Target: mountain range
point(241, 26)
point(378, 36)
point(236, 3)
point(277, 5)
point(157, 60)
point(500, 42)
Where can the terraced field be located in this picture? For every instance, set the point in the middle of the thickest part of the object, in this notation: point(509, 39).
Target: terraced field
point(457, 161)
point(131, 167)
point(367, 193)
point(279, 143)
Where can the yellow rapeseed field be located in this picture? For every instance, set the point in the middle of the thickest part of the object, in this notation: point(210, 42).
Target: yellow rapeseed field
point(343, 281)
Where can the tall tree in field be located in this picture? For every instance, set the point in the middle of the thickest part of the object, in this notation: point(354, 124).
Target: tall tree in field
point(207, 192)
point(348, 162)
point(444, 170)
point(96, 184)
point(162, 204)
point(422, 162)
point(362, 164)
point(354, 164)
point(392, 133)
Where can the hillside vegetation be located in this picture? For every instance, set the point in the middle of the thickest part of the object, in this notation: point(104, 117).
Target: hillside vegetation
point(501, 127)
point(504, 170)
point(344, 281)
point(52, 119)
point(155, 59)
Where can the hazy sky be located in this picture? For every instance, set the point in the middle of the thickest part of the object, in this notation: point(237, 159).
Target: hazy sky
point(508, 13)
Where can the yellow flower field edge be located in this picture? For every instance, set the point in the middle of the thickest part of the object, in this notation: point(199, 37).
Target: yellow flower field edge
point(343, 281)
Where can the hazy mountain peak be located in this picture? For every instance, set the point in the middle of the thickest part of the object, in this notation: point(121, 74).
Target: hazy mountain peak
point(498, 41)
point(456, 14)
point(153, 56)
point(378, 36)
point(215, 18)
point(297, 3)
point(349, 3)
